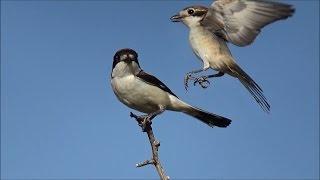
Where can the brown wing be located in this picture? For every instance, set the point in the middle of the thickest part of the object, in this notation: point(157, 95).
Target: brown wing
point(240, 21)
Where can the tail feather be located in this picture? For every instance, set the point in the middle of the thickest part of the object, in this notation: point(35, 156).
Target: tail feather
point(252, 87)
point(208, 118)
point(258, 96)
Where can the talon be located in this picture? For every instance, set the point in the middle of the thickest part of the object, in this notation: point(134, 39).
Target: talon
point(186, 80)
point(202, 81)
point(205, 84)
point(195, 82)
point(145, 123)
point(143, 120)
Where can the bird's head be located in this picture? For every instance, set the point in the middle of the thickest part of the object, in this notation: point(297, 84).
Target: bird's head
point(125, 61)
point(125, 55)
point(190, 16)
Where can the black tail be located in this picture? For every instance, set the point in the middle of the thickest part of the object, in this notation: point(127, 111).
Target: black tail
point(252, 87)
point(208, 118)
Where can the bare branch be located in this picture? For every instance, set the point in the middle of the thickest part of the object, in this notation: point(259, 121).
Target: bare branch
point(144, 163)
point(145, 123)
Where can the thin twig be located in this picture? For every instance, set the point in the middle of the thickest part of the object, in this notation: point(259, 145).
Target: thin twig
point(145, 124)
point(144, 163)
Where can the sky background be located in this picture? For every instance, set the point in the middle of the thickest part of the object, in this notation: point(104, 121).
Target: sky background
point(60, 118)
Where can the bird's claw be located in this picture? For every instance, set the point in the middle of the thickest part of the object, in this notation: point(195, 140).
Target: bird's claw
point(202, 81)
point(144, 121)
point(186, 80)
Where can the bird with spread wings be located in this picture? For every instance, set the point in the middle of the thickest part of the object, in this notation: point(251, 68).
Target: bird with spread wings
point(235, 21)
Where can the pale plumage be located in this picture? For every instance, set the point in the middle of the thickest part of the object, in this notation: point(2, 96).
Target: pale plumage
point(146, 93)
point(240, 21)
point(234, 21)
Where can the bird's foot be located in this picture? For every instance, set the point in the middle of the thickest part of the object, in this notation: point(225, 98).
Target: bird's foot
point(187, 78)
point(145, 124)
point(202, 81)
point(144, 121)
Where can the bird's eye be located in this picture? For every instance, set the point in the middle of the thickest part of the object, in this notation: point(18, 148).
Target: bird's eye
point(190, 11)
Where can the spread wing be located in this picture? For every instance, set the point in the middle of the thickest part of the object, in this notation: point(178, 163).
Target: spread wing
point(240, 21)
point(154, 81)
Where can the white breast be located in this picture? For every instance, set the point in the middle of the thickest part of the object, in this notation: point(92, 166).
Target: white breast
point(139, 95)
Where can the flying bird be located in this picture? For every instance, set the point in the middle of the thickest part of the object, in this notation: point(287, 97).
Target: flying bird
point(234, 21)
point(145, 93)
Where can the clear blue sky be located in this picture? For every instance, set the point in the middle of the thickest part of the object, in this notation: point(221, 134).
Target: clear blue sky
point(60, 118)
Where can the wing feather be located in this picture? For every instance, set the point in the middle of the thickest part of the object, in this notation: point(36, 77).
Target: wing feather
point(153, 81)
point(240, 21)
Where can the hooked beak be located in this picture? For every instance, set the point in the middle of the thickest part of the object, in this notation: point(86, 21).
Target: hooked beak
point(176, 18)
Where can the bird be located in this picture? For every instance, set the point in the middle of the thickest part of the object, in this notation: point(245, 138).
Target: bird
point(228, 21)
point(147, 94)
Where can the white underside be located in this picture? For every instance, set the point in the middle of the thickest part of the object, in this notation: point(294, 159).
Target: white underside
point(141, 96)
point(212, 50)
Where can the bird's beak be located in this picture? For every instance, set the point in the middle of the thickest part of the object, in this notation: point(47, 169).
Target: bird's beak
point(126, 58)
point(176, 18)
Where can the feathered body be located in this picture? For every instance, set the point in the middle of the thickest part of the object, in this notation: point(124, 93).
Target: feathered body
point(234, 21)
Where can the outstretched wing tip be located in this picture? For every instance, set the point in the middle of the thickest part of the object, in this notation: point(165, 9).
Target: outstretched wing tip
point(239, 22)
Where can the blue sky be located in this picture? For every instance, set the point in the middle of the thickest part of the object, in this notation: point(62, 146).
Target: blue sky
point(60, 118)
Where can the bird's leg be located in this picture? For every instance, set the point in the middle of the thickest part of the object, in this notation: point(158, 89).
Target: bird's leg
point(144, 121)
point(203, 80)
point(147, 120)
point(139, 119)
point(189, 76)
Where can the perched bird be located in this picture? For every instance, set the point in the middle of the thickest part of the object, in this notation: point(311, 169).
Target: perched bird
point(145, 93)
point(234, 21)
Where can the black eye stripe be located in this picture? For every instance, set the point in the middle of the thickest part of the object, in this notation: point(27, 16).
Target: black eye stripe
point(196, 10)
point(199, 13)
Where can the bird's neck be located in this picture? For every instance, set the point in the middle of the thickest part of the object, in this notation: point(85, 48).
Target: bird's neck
point(192, 22)
point(192, 25)
point(198, 31)
point(123, 69)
